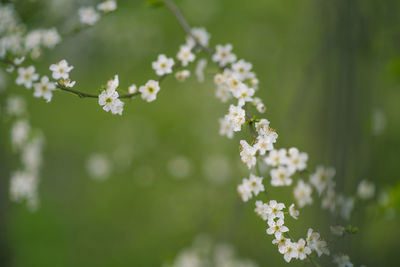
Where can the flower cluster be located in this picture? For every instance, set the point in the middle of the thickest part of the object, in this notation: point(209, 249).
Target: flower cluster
point(89, 15)
point(28, 143)
point(109, 97)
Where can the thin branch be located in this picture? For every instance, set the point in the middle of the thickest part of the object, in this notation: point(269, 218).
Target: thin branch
point(185, 25)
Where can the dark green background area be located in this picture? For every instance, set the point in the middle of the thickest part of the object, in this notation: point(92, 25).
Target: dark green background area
point(323, 66)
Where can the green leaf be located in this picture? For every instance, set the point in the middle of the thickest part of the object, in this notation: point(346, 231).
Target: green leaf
point(155, 3)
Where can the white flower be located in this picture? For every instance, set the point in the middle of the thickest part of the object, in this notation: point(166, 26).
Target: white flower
point(242, 69)
point(276, 228)
point(226, 127)
point(315, 242)
point(185, 55)
point(31, 157)
point(346, 204)
point(19, 133)
point(281, 243)
point(329, 198)
point(33, 39)
point(255, 184)
point(182, 75)
point(237, 117)
point(262, 210)
point(26, 76)
point(44, 88)
point(69, 83)
point(15, 105)
point(302, 249)
point(337, 230)
point(296, 160)
point(107, 6)
point(50, 38)
point(149, 90)
point(281, 176)
point(223, 55)
point(247, 154)
point(99, 166)
point(321, 247)
point(322, 178)
point(293, 212)
point(244, 190)
point(274, 210)
point(262, 127)
point(201, 36)
point(109, 97)
point(112, 84)
point(223, 93)
point(243, 94)
point(88, 15)
point(276, 157)
point(61, 70)
point(133, 89)
point(290, 251)
point(163, 65)
point(302, 194)
point(264, 143)
point(342, 260)
point(23, 185)
point(365, 189)
point(257, 102)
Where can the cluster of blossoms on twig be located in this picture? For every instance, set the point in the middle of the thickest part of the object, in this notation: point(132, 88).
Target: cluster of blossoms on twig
point(17, 46)
point(235, 81)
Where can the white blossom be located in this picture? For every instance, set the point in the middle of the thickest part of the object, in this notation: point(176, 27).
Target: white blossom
point(50, 38)
point(163, 65)
point(185, 55)
point(44, 88)
point(302, 194)
point(296, 161)
point(276, 157)
point(302, 249)
point(107, 6)
point(280, 176)
point(223, 55)
point(200, 35)
point(365, 189)
point(26, 76)
point(149, 90)
point(61, 70)
point(293, 212)
point(276, 228)
point(109, 97)
point(274, 210)
point(337, 230)
point(133, 89)
point(342, 260)
point(237, 117)
point(182, 75)
point(247, 154)
point(88, 15)
point(242, 69)
point(322, 178)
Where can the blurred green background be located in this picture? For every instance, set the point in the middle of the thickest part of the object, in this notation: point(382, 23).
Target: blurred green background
point(325, 69)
